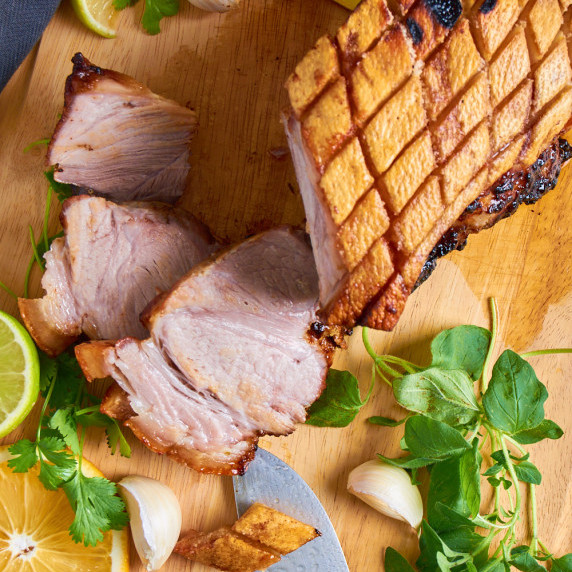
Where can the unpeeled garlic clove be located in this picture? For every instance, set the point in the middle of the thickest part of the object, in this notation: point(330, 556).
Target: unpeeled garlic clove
point(155, 516)
point(215, 5)
point(388, 489)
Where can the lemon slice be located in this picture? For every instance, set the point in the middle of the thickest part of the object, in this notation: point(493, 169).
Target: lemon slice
point(19, 373)
point(34, 526)
point(98, 15)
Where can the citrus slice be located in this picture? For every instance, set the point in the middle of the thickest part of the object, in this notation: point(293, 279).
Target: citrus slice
point(98, 15)
point(19, 373)
point(34, 526)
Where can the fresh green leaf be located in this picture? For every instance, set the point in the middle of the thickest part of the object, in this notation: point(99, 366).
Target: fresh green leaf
point(25, 456)
point(493, 470)
point(455, 483)
point(386, 421)
point(394, 562)
point(495, 565)
point(408, 462)
point(122, 4)
point(432, 439)
point(70, 382)
point(465, 540)
point(546, 430)
point(63, 420)
point(339, 403)
point(56, 464)
point(431, 544)
point(63, 191)
point(97, 508)
point(562, 564)
point(463, 347)
point(454, 518)
point(155, 11)
point(494, 482)
point(115, 437)
point(521, 558)
point(514, 399)
point(48, 372)
point(528, 473)
point(445, 395)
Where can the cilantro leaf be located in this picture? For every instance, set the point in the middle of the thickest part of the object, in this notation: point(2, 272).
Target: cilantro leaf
point(115, 437)
point(63, 420)
point(514, 399)
point(69, 381)
point(56, 464)
point(97, 508)
point(155, 11)
point(48, 372)
point(25, 456)
point(339, 403)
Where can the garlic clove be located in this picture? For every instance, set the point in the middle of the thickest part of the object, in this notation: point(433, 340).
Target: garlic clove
point(155, 516)
point(215, 5)
point(388, 489)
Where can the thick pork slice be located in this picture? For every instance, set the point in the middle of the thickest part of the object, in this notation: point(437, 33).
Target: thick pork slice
point(232, 355)
point(402, 120)
point(111, 262)
point(119, 139)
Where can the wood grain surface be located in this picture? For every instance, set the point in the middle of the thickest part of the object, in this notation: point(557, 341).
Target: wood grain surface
point(231, 69)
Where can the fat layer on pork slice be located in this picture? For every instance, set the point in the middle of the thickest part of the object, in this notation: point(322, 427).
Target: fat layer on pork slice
point(111, 262)
point(119, 139)
point(236, 332)
point(403, 119)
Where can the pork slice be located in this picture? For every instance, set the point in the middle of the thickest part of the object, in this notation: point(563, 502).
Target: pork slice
point(168, 414)
point(235, 352)
point(119, 139)
point(238, 327)
point(112, 261)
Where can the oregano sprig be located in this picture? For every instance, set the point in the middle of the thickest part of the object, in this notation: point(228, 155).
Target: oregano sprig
point(458, 407)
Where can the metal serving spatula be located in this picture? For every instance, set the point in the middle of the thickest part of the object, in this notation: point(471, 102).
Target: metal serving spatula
point(272, 482)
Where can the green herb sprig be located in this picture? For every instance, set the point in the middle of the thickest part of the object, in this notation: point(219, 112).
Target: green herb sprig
point(68, 410)
point(455, 412)
point(153, 13)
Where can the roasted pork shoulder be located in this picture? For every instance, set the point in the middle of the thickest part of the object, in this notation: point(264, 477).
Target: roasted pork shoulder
point(111, 262)
point(119, 139)
point(399, 123)
point(232, 355)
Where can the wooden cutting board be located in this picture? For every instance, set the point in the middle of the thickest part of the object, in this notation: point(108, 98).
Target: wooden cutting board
point(231, 69)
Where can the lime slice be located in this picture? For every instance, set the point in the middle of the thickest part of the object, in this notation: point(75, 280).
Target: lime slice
point(98, 15)
point(19, 373)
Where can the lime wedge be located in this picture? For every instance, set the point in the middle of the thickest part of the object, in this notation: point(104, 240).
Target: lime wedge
point(19, 373)
point(98, 15)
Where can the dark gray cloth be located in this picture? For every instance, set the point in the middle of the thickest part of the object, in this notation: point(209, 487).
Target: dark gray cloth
point(21, 25)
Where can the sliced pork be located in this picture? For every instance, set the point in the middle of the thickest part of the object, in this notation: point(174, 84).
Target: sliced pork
point(402, 120)
point(232, 355)
point(119, 139)
point(111, 262)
